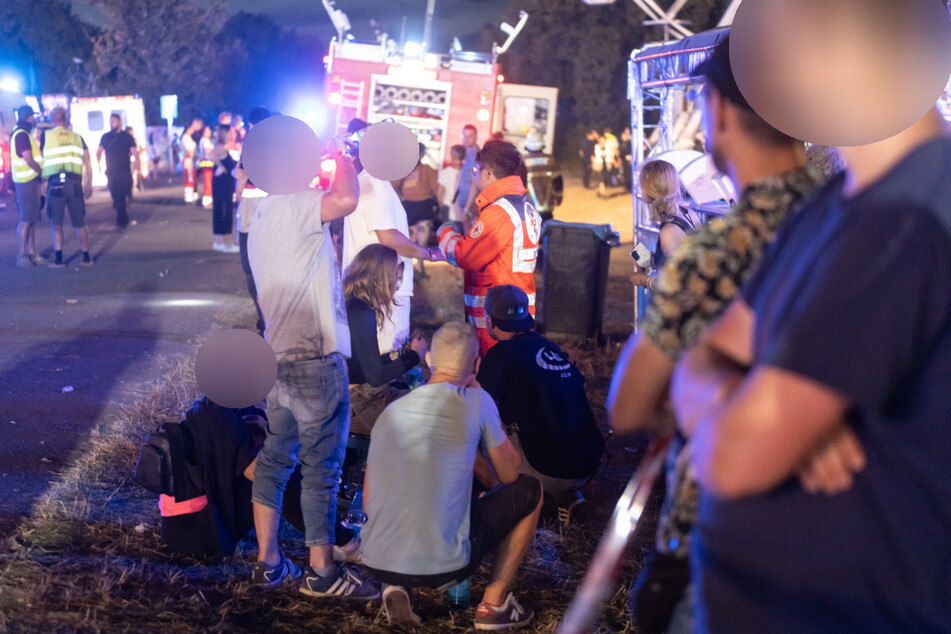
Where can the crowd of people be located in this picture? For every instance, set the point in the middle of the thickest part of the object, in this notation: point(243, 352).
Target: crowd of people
point(607, 159)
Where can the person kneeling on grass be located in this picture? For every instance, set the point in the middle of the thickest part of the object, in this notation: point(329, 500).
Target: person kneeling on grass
point(423, 528)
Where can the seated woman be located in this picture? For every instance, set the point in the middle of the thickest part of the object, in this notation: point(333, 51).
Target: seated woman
point(370, 286)
point(660, 188)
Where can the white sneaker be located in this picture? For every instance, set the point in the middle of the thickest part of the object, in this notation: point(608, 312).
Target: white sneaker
point(398, 607)
point(230, 248)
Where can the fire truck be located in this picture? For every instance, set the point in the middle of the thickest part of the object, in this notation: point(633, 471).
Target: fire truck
point(434, 95)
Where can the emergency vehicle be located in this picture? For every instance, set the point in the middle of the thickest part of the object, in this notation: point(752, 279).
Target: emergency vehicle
point(10, 99)
point(90, 120)
point(435, 95)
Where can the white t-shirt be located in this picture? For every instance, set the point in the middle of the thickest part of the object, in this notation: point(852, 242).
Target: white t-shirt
point(449, 179)
point(295, 268)
point(379, 208)
point(422, 451)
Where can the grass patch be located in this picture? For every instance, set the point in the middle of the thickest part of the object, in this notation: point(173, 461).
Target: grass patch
point(89, 557)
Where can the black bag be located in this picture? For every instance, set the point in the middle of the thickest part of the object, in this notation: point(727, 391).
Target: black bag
point(657, 590)
point(153, 470)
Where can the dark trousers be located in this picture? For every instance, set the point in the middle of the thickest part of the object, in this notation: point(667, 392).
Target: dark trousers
point(586, 172)
point(222, 204)
point(249, 278)
point(120, 186)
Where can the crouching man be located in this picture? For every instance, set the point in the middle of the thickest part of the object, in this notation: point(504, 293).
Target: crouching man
point(423, 527)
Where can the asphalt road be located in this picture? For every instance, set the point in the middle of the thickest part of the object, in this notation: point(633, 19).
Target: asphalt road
point(155, 288)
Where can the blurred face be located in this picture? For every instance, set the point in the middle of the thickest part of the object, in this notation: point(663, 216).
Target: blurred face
point(115, 123)
point(711, 105)
point(470, 137)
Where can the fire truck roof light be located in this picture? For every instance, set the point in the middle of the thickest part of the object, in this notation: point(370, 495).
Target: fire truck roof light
point(482, 114)
point(500, 78)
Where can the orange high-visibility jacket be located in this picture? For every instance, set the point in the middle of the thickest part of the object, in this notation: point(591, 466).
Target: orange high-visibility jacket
point(500, 248)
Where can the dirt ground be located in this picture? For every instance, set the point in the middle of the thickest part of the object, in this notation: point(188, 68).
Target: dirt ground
point(90, 558)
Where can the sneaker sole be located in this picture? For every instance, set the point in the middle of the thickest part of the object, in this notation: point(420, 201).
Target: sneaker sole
point(399, 610)
point(349, 597)
point(495, 627)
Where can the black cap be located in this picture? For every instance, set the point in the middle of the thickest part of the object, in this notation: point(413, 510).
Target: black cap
point(356, 125)
point(717, 70)
point(24, 112)
point(258, 114)
point(507, 305)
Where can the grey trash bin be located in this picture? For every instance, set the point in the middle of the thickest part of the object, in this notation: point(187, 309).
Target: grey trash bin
point(574, 277)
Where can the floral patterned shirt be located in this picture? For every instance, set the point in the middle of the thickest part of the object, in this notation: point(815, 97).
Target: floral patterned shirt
point(697, 283)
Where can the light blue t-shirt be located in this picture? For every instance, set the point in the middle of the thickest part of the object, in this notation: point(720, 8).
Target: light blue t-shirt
point(422, 451)
point(466, 177)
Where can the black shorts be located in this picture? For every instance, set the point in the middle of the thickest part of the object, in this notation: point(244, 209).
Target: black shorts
point(491, 518)
point(69, 196)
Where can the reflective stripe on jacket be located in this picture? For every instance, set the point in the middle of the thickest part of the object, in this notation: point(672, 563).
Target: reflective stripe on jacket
point(62, 152)
point(22, 172)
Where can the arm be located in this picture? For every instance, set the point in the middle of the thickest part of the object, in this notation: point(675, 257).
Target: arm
point(344, 193)
point(403, 245)
point(249, 470)
point(377, 369)
point(639, 387)
point(712, 369)
point(764, 432)
point(28, 157)
point(670, 237)
point(481, 244)
point(99, 153)
point(505, 461)
point(241, 180)
point(87, 174)
point(136, 161)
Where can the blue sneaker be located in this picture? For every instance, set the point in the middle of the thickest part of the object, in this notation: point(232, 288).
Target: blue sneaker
point(265, 575)
point(343, 583)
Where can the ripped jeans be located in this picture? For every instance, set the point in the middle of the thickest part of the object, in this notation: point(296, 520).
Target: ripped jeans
point(308, 422)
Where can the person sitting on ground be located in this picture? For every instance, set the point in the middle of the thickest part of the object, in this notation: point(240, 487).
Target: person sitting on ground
point(660, 188)
point(370, 287)
point(541, 399)
point(423, 527)
point(214, 451)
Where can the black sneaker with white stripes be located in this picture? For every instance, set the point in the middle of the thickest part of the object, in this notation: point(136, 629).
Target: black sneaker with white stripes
point(343, 583)
point(264, 575)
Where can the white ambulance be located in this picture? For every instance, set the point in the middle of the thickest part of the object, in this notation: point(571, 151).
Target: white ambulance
point(90, 119)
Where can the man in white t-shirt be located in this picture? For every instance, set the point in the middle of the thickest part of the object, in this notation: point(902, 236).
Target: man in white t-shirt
point(294, 265)
point(423, 528)
point(381, 219)
point(449, 186)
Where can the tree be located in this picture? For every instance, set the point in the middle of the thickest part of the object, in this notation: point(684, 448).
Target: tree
point(155, 48)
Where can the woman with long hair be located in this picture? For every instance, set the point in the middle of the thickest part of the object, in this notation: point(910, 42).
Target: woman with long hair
point(369, 287)
point(222, 190)
point(660, 189)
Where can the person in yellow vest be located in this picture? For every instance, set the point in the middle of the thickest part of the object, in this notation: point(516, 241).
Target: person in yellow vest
point(68, 170)
point(27, 163)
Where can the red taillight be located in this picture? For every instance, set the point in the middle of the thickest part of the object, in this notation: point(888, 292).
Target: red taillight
point(499, 78)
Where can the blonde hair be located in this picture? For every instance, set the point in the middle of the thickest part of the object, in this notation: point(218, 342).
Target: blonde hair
point(372, 277)
point(659, 182)
point(455, 348)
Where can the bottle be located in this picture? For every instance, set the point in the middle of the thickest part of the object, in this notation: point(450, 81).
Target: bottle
point(459, 595)
point(414, 378)
point(355, 516)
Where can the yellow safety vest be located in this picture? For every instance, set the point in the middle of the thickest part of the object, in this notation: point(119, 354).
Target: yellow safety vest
point(22, 172)
point(62, 152)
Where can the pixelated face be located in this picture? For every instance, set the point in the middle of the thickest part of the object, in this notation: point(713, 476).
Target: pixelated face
point(470, 136)
point(841, 72)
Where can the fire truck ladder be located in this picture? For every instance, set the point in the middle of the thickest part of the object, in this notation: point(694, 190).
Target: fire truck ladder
point(351, 101)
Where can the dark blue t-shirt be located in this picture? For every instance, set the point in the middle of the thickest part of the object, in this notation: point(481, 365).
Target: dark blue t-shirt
point(855, 294)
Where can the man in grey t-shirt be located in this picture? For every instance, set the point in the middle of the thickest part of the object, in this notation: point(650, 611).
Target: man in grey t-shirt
point(293, 262)
point(423, 528)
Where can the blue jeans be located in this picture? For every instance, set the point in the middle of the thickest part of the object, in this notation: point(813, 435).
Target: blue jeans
point(308, 422)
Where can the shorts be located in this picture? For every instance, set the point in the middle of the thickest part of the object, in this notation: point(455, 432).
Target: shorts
point(29, 200)
point(70, 196)
point(491, 519)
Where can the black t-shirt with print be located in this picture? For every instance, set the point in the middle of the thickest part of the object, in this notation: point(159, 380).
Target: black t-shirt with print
point(855, 294)
point(537, 388)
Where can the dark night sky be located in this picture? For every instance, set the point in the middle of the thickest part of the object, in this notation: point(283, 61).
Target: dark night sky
point(453, 17)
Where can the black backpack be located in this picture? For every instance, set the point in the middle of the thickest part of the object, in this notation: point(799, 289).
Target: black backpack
point(154, 469)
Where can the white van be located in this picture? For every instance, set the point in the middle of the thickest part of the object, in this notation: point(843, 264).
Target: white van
point(90, 119)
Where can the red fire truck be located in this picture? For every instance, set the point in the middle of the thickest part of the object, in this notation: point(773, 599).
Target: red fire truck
point(435, 95)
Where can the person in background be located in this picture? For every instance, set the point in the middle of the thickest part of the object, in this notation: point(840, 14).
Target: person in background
point(467, 184)
point(237, 123)
point(449, 185)
point(223, 188)
point(248, 197)
point(206, 165)
point(613, 151)
point(68, 173)
point(190, 138)
point(502, 245)
point(824, 162)
point(118, 145)
point(140, 175)
point(27, 172)
point(543, 178)
point(601, 166)
point(423, 528)
point(626, 157)
point(418, 193)
point(586, 152)
point(660, 187)
point(541, 399)
point(369, 287)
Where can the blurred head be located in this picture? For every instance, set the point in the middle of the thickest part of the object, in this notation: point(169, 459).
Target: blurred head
point(608, 132)
point(115, 123)
point(660, 187)
point(224, 134)
point(206, 132)
point(25, 116)
point(454, 353)
point(458, 154)
point(497, 160)
point(59, 116)
point(374, 276)
point(534, 142)
point(258, 114)
point(224, 118)
point(197, 123)
point(593, 135)
point(356, 125)
point(728, 120)
point(470, 135)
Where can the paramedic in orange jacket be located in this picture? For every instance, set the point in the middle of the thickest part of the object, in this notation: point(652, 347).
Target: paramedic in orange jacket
point(502, 245)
